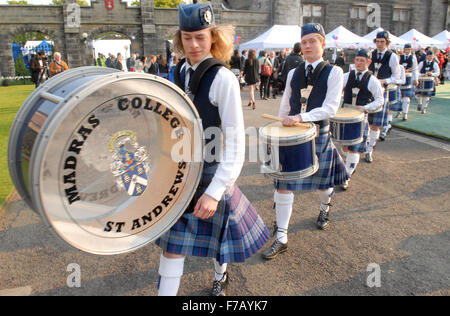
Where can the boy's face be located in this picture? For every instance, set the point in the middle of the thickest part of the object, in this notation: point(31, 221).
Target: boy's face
point(381, 44)
point(197, 45)
point(362, 63)
point(312, 47)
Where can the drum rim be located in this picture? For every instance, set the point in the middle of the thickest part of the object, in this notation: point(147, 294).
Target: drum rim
point(24, 111)
point(350, 142)
point(293, 175)
point(51, 127)
point(310, 134)
point(356, 119)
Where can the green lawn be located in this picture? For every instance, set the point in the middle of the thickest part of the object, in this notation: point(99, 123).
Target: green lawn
point(11, 98)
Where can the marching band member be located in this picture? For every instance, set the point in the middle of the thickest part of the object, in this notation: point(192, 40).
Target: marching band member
point(428, 68)
point(385, 67)
point(369, 98)
point(220, 222)
point(326, 82)
point(409, 62)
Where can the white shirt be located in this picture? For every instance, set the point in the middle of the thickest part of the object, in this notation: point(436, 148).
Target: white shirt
point(415, 71)
point(395, 67)
point(402, 79)
point(332, 100)
point(225, 94)
point(436, 70)
point(375, 88)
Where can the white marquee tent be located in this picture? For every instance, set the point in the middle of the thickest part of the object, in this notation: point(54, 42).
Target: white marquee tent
point(395, 41)
point(277, 37)
point(443, 37)
point(418, 39)
point(343, 38)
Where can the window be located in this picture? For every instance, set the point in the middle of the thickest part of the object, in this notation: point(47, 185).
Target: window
point(312, 13)
point(401, 20)
point(358, 19)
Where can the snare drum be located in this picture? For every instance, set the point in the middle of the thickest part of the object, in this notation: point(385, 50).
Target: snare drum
point(392, 93)
point(426, 86)
point(289, 152)
point(347, 126)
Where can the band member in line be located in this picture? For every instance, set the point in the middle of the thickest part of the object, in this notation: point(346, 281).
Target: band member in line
point(428, 68)
point(409, 62)
point(326, 82)
point(220, 223)
point(369, 98)
point(385, 67)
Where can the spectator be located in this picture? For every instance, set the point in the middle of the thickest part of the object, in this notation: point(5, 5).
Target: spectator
point(57, 65)
point(172, 67)
point(140, 66)
point(120, 64)
point(131, 62)
point(340, 60)
point(277, 67)
point(153, 67)
point(37, 68)
point(266, 73)
point(235, 63)
point(163, 67)
point(251, 75)
point(243, 59)
point(291, 62)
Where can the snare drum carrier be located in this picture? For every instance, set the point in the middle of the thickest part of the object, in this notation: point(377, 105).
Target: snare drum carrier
point(357, 92)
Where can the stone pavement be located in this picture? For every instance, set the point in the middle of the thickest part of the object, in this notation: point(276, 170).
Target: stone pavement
point(394, 215)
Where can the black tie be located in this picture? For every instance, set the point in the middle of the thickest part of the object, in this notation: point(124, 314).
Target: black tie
point(309, 75)
point(191, 76)
point(358, 78)
point(379, 56)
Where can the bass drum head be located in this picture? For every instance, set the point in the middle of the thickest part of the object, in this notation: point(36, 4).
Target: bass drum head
point(114, 168)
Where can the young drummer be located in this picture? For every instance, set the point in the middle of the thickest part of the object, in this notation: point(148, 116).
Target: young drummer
point(322, 104)
point(409, 62)
point(369, 99)
point(220, 222)
point(385, 67)
point(428, 68)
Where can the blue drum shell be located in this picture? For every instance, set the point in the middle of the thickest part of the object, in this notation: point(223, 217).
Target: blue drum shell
point(346, 131)
point(289, 157)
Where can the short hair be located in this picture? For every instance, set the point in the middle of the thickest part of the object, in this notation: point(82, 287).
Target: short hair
point(297, 48)
point(57, 54)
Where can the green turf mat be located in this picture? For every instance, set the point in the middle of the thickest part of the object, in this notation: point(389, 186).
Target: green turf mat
point(436, 122)
point(11, 98)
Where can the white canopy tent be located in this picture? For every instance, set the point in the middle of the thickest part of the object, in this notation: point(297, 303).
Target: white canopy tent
point(396, 42)
point(443, 37)
point(343, 38)
point(418, 39)
point(277, 37)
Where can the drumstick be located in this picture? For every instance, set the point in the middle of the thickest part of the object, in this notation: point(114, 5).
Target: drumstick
point(279, 119)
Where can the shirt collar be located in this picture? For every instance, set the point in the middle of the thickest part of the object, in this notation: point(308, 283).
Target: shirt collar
point(314, 64)
point(194, 67)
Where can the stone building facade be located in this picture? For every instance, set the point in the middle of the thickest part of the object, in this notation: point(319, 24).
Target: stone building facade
point(149, 27)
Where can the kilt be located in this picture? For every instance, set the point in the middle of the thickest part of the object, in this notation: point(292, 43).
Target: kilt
point(380, 118)
point(362, 146)
point(331, 171)
point(233, 234)
point(427, 94)
point(409, 92)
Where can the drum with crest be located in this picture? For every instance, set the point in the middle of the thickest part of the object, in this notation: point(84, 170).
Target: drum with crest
point(106, 158)
point(347, 126)
point(289, 152)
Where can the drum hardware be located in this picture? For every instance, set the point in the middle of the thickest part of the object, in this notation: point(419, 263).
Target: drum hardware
point(347, 126)
point(305, 93)
point(355, 92)
point(426, 84)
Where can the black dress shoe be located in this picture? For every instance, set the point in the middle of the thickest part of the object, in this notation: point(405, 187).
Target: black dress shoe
point(277, 248)
point(322, 220)
point(220, 287)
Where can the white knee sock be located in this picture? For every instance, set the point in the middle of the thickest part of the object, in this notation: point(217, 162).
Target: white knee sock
point(170, 272)
point(389, 119)
point(351, 162)
point(373, 137)
point(219, 270)
point(405, 105)
point(426, 103)
point(325, 198)
point(283, 209)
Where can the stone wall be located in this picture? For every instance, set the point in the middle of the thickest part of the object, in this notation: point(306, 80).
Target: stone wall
point(149, 27)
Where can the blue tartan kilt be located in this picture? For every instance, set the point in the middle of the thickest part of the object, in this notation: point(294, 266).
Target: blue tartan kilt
point(233, 234)
point(380, 118)
point(409, 92)
point(362, 146)
point(332, 171)
point(427, 94)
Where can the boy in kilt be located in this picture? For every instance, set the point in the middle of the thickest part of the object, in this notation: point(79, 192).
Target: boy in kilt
point(409, 62)
point(385, 67)
point(324, 82)
point(428, 68)
point(369, 99)
point(220, 223)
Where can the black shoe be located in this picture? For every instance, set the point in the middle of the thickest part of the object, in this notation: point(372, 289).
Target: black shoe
point(276, 248)
point(322, 220)
point(220, 287)
point(382, 137)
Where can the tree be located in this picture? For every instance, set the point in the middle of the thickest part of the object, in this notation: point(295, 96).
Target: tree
point(81, 3)
point(19, 2)
point(167, 3)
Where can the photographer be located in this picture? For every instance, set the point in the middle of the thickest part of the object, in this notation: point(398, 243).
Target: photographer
point(36, 67)
point(57, 65)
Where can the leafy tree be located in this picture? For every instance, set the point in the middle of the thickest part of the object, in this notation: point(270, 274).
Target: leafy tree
point(22, 38)
point(167, 3)
point(81, 3)
point(18, 2)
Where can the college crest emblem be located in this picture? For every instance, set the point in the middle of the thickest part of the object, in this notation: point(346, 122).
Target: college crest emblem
point(130, 166)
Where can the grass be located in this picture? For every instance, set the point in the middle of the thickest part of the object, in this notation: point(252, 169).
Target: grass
point(11, 98)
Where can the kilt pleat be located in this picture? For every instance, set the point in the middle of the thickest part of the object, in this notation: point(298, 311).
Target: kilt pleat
point(233, 234)
point(409, 92)
point(380, 118)
point(332, 171)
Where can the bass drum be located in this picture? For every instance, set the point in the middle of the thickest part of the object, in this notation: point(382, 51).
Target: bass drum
point(107, 158)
